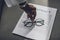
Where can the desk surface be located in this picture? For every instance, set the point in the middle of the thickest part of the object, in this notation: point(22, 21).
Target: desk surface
point(11, 16)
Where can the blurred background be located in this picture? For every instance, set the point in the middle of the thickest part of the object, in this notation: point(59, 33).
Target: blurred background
point(10, 16)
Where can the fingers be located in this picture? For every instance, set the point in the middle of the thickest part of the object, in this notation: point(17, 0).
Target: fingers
point(33, 15)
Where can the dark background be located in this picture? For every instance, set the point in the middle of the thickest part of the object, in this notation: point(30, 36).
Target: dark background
point(10, 17)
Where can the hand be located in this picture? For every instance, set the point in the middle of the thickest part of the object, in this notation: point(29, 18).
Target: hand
point(30, 10)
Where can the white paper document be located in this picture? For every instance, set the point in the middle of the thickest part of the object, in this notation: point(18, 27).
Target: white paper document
point(45, 15)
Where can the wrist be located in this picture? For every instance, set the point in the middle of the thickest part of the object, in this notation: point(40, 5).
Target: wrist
point(23, 4)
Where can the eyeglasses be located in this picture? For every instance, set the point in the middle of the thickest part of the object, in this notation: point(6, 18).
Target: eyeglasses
point(37, 22)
